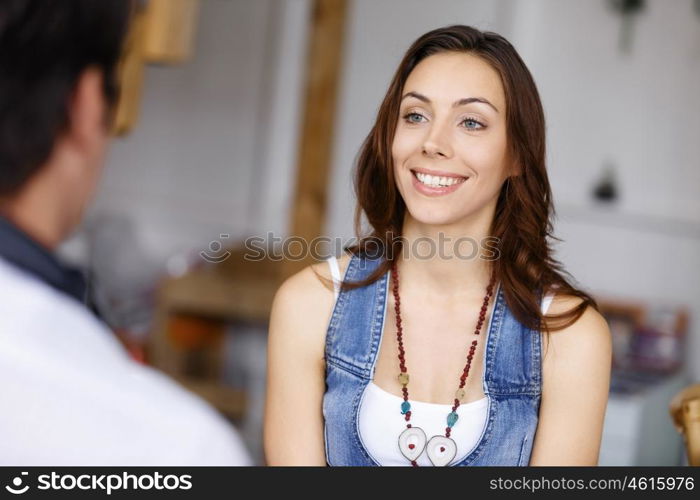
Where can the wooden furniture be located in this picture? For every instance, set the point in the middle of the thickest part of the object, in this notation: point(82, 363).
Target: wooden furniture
point(190, 317)
point(685, 412)
point(161, 32)
point(323, 69)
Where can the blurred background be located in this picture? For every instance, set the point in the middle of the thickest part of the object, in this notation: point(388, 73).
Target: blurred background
point(253, 130)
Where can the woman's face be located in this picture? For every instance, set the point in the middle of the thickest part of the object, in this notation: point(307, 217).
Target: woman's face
point(449, 150)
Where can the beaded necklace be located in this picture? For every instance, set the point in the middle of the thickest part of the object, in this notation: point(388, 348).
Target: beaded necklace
point(441, 450)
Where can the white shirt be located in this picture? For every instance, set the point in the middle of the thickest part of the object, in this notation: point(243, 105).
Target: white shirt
point(381, 421)
point(71, 395)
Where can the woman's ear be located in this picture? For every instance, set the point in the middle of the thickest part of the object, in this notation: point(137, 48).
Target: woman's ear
point(515, 170)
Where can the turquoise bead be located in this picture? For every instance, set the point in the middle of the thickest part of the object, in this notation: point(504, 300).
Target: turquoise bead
point(405, 406)
point(451, 419)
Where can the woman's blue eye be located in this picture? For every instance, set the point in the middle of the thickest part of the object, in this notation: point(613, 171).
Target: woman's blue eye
point(413, 117)
point(472, 120)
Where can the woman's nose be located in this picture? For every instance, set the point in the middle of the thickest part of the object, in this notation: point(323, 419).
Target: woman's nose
point(436, 144)
point(431, 150)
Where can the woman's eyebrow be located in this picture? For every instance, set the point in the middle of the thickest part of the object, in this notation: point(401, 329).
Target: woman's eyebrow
point(460, 102)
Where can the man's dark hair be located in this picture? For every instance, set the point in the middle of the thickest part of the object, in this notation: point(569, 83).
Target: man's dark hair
point(45, 45)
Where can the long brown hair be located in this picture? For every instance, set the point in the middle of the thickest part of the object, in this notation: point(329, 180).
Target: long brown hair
point(522, 220)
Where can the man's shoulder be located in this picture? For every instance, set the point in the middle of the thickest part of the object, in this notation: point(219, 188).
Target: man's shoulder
point(95, 389)
point(69, 367)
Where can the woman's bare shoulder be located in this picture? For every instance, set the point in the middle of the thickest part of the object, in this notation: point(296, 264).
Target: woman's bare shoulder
point(303, 304)
point(576, 372)
point(589, 331)
point(314, 281)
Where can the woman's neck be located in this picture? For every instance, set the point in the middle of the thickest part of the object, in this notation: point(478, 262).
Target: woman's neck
point(447, 261)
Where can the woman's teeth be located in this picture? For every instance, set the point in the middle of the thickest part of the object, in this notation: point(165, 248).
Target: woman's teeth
point(436, 181)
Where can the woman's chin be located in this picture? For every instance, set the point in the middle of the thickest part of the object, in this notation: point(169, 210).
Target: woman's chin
point(432, 217)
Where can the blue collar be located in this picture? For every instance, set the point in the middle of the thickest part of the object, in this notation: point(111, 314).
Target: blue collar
point(27, 254)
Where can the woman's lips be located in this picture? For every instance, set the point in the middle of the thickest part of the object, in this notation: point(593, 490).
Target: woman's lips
point(437, 173)
point(435, 191)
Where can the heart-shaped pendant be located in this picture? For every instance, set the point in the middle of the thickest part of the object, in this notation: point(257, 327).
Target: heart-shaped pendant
point(412, 442)
point(441, 450)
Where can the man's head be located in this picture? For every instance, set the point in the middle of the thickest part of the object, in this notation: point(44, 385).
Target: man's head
point(58, 87)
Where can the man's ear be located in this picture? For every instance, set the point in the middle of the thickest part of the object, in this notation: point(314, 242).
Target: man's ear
point(87, 110)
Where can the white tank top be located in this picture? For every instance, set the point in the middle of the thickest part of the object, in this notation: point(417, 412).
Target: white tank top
point(381, 422)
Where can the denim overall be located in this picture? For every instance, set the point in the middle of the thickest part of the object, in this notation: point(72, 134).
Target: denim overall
point(511, 379)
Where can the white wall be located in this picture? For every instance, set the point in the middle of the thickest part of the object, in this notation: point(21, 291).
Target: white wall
point(640, 110)
point(283, 116)
point(199, 161)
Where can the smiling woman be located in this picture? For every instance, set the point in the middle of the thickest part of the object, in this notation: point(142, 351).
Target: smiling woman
point(442, 128)
point(457, 153)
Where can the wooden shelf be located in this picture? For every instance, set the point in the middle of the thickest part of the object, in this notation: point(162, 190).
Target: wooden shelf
point(230, 291)
point(214, 294)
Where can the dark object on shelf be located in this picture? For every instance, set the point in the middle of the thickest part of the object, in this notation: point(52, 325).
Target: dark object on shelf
point(627, 9)
point(606, 188)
